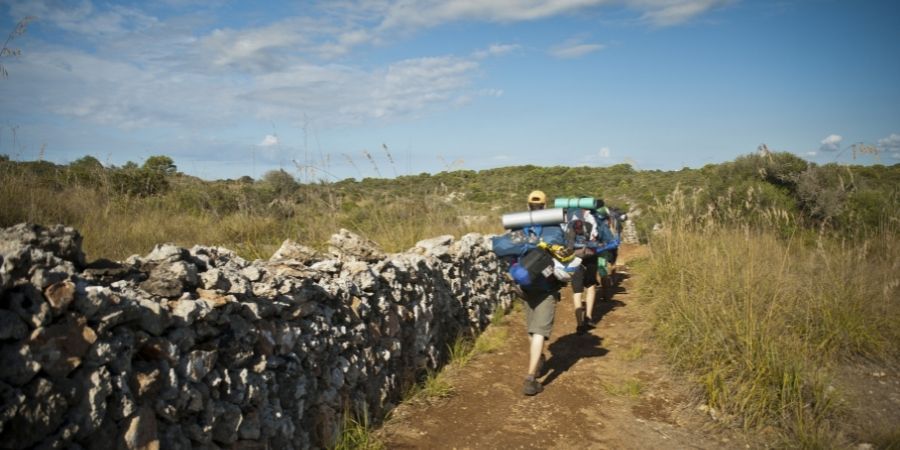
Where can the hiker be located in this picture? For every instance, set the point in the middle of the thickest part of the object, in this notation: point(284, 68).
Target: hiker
point(582, 232)
point(540, 306)
point(604, 236)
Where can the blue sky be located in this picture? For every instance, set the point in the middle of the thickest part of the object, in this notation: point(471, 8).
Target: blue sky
point(349, 88)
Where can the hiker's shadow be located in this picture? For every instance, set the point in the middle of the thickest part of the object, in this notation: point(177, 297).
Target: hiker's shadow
point(609, 289)
point(602, 308)
point(567, 350)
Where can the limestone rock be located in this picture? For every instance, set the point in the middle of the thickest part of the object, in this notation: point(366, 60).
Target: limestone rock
point(60, 348)
point(11, 326)
point(226, 423)
point(30, 305)
point(437, 247)
point(140, 431)
point(90, 300)
point(60, 295)
point(196, 364)
point(35, 420)
point(292, 250)
point(225, 281)
point(64, 242)
point(92, 409)
point(167, 253)
point(170, 279)
point(349, 244)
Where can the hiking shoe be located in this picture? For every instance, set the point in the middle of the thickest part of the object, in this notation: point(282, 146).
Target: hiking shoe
point(581, 329)
point(532, 386)
point(589, 323)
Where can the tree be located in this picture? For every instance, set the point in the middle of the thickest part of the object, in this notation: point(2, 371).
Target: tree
point(86, 170)
point(160, 164)
point(280, 182)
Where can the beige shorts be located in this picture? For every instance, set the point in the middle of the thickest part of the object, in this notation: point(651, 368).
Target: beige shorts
point(540, 309)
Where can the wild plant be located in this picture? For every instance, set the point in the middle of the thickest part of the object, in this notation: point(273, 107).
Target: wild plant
point(761, 319)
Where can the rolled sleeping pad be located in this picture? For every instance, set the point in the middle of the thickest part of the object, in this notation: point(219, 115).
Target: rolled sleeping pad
point(575, 202)
point(539, 217)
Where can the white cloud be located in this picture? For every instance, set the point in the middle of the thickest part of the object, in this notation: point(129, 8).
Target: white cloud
point(604, 152)
point(812, 153)
point(890, 143)
point(427, 13)
point(574, 48)
point(495, 50)
point(674, 12)
point(343, 94)
point(831, 143)
point(491, 93)
point(82, 17)
point(251, 47)
point(268, 141)
point(415, 14)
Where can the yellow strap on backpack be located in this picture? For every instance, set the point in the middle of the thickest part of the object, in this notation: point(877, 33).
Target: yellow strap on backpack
point(559, 252)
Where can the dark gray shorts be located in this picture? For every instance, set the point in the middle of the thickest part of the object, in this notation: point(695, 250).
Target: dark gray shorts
point(540, 309)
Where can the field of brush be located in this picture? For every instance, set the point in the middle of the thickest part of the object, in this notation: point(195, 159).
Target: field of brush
point(771, 279)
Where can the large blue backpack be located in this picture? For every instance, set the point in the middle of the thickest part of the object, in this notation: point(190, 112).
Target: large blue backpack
point(530, 267)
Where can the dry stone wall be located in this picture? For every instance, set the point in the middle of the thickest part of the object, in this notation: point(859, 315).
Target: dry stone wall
point(199, 348)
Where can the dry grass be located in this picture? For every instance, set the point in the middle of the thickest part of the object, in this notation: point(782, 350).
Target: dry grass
point(357, 434)
point(116, 226)
point(628, 388)
point(759, 320)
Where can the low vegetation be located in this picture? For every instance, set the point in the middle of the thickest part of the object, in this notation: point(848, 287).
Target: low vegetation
point(762, 318)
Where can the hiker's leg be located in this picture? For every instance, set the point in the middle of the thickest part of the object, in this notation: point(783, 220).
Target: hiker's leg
point(590, 295)
point(537, 348)
point(540, 311)
point(579, 307)
point(578, 281)
point(590, 286)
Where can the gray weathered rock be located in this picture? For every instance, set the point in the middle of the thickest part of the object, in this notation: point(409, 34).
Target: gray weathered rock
point(166, 253)
point(11, 326)
point(36, 420)
point(64, 242)
point(438, 247)
point(140, 431)
point(28, 302)
point(196, 364)
point(349, 244)
point(225, 281)
point(291, 250)
point(170, 279)
point(59, 348)
point(90, 413)
point(17, 364)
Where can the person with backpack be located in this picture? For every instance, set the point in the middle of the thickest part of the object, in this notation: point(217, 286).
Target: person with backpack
point(540, 298)
point(605, 236)
point(616, 217)
point(582, 232)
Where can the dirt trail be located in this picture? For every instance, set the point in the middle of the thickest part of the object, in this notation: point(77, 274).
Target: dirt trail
point(608, 388)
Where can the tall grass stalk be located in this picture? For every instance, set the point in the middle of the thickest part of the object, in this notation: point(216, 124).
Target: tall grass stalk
point(760, 320)
point(357, 434)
